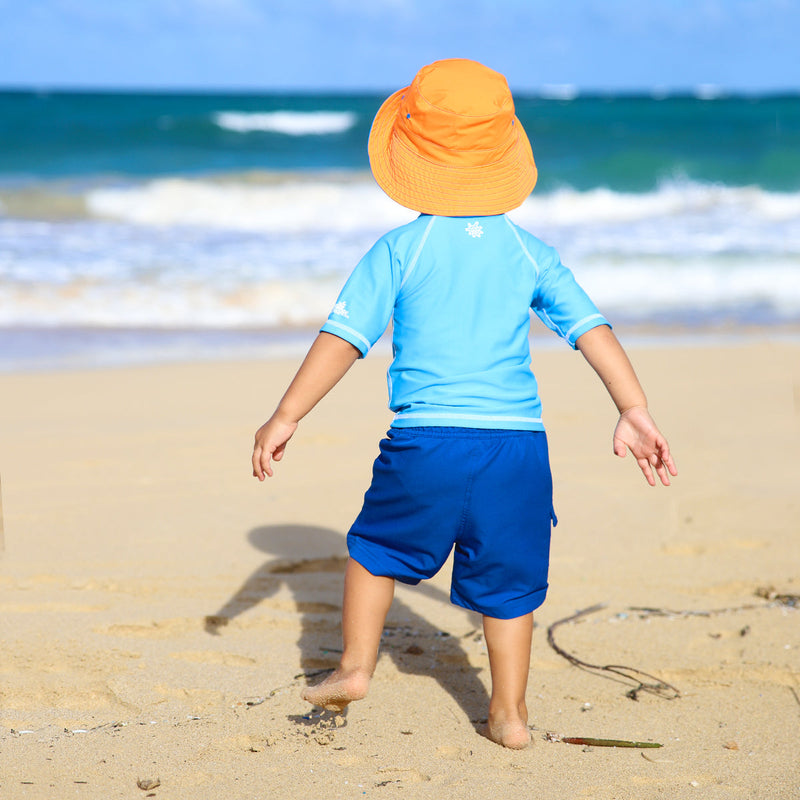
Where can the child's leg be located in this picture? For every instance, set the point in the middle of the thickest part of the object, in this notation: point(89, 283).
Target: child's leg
point(509, 645)
point(367, 599)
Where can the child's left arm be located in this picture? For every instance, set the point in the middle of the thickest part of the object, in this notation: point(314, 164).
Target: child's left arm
point(636, 431)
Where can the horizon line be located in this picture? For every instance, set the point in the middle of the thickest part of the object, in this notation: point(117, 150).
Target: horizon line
point(562, 92)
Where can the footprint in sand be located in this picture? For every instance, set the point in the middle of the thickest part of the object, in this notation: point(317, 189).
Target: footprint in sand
point(400, 775)
point(453, 753)
point(162, 629)
point(211, 657)
point(49, 608)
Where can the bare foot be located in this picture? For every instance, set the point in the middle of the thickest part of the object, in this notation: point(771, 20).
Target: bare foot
point(509, 733)
point(338, 690)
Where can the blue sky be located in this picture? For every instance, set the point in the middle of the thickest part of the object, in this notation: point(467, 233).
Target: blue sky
point(748, 45)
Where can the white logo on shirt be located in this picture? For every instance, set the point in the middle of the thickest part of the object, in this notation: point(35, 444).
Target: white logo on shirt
point(340, 309)
point(474, 229)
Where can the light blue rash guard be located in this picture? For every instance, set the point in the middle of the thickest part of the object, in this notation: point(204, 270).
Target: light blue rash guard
point(460, 291)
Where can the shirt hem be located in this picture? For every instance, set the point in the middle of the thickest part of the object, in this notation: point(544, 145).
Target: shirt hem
point(421, 419)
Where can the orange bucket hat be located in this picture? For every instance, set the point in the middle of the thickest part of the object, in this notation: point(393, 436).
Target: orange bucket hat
point(450, 143)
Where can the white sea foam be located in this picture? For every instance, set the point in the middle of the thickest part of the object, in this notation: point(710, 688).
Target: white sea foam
point(670, 200)
point(263, 252)
point(641, 289)
point(708, 91)
point(559, 91)
point(292, 123)
point(155, 305)
point(676, 220)
point(696, 287)
point(276, 207)
point(329, 204)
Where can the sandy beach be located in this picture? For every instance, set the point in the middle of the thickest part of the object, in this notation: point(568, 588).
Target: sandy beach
point(162, 610)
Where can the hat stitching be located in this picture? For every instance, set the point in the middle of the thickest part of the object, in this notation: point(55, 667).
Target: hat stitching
point(415, 154)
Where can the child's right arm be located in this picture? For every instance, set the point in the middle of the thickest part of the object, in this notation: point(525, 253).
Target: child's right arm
point(636, 431)
point(326, 363)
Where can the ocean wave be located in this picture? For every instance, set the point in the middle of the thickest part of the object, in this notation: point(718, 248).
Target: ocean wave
point(293, 206)
point(621, 141)
point(276, 304)
point(635, 290)
point(676, 218)
point(559, 91)
point(291, 123)
point(115, 275)
point(264, 251)
point(696, 287)
point(709, 91)
point(672, 199)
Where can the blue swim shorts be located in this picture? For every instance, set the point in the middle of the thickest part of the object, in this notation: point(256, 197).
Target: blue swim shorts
point(488, 493)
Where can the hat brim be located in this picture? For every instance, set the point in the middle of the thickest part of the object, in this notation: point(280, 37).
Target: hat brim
point(444, 190)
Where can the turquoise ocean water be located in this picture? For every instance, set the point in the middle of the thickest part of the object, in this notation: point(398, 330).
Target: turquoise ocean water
point(148, 226)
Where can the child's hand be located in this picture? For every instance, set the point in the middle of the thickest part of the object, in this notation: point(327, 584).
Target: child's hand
point(637, 432)
point(327, 361)
point(271, 439)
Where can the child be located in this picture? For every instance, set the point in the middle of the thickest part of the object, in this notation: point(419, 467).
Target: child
point(465, 463)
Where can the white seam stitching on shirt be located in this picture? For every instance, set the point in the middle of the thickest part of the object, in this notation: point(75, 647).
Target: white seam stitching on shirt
point(521, 244)
point(556, 327)
point(414, 260)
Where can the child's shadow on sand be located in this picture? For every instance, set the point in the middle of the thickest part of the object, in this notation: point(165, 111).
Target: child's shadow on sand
point(415, 645)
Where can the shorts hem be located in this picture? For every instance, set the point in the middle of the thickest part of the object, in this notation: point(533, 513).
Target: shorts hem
point(374, 567)
point(508, 610)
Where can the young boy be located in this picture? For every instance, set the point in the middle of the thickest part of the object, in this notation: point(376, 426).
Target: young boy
point(465, 463)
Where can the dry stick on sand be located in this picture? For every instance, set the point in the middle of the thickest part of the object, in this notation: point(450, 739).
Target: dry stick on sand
point(589, 741)
point(652, 684)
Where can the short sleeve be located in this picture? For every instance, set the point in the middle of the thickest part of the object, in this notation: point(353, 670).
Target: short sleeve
point(364, 306)
point(561, 303)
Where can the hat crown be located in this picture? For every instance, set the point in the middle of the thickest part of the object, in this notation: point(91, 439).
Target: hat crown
point(450, 144)
point(464, 87)
point(458, 112)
